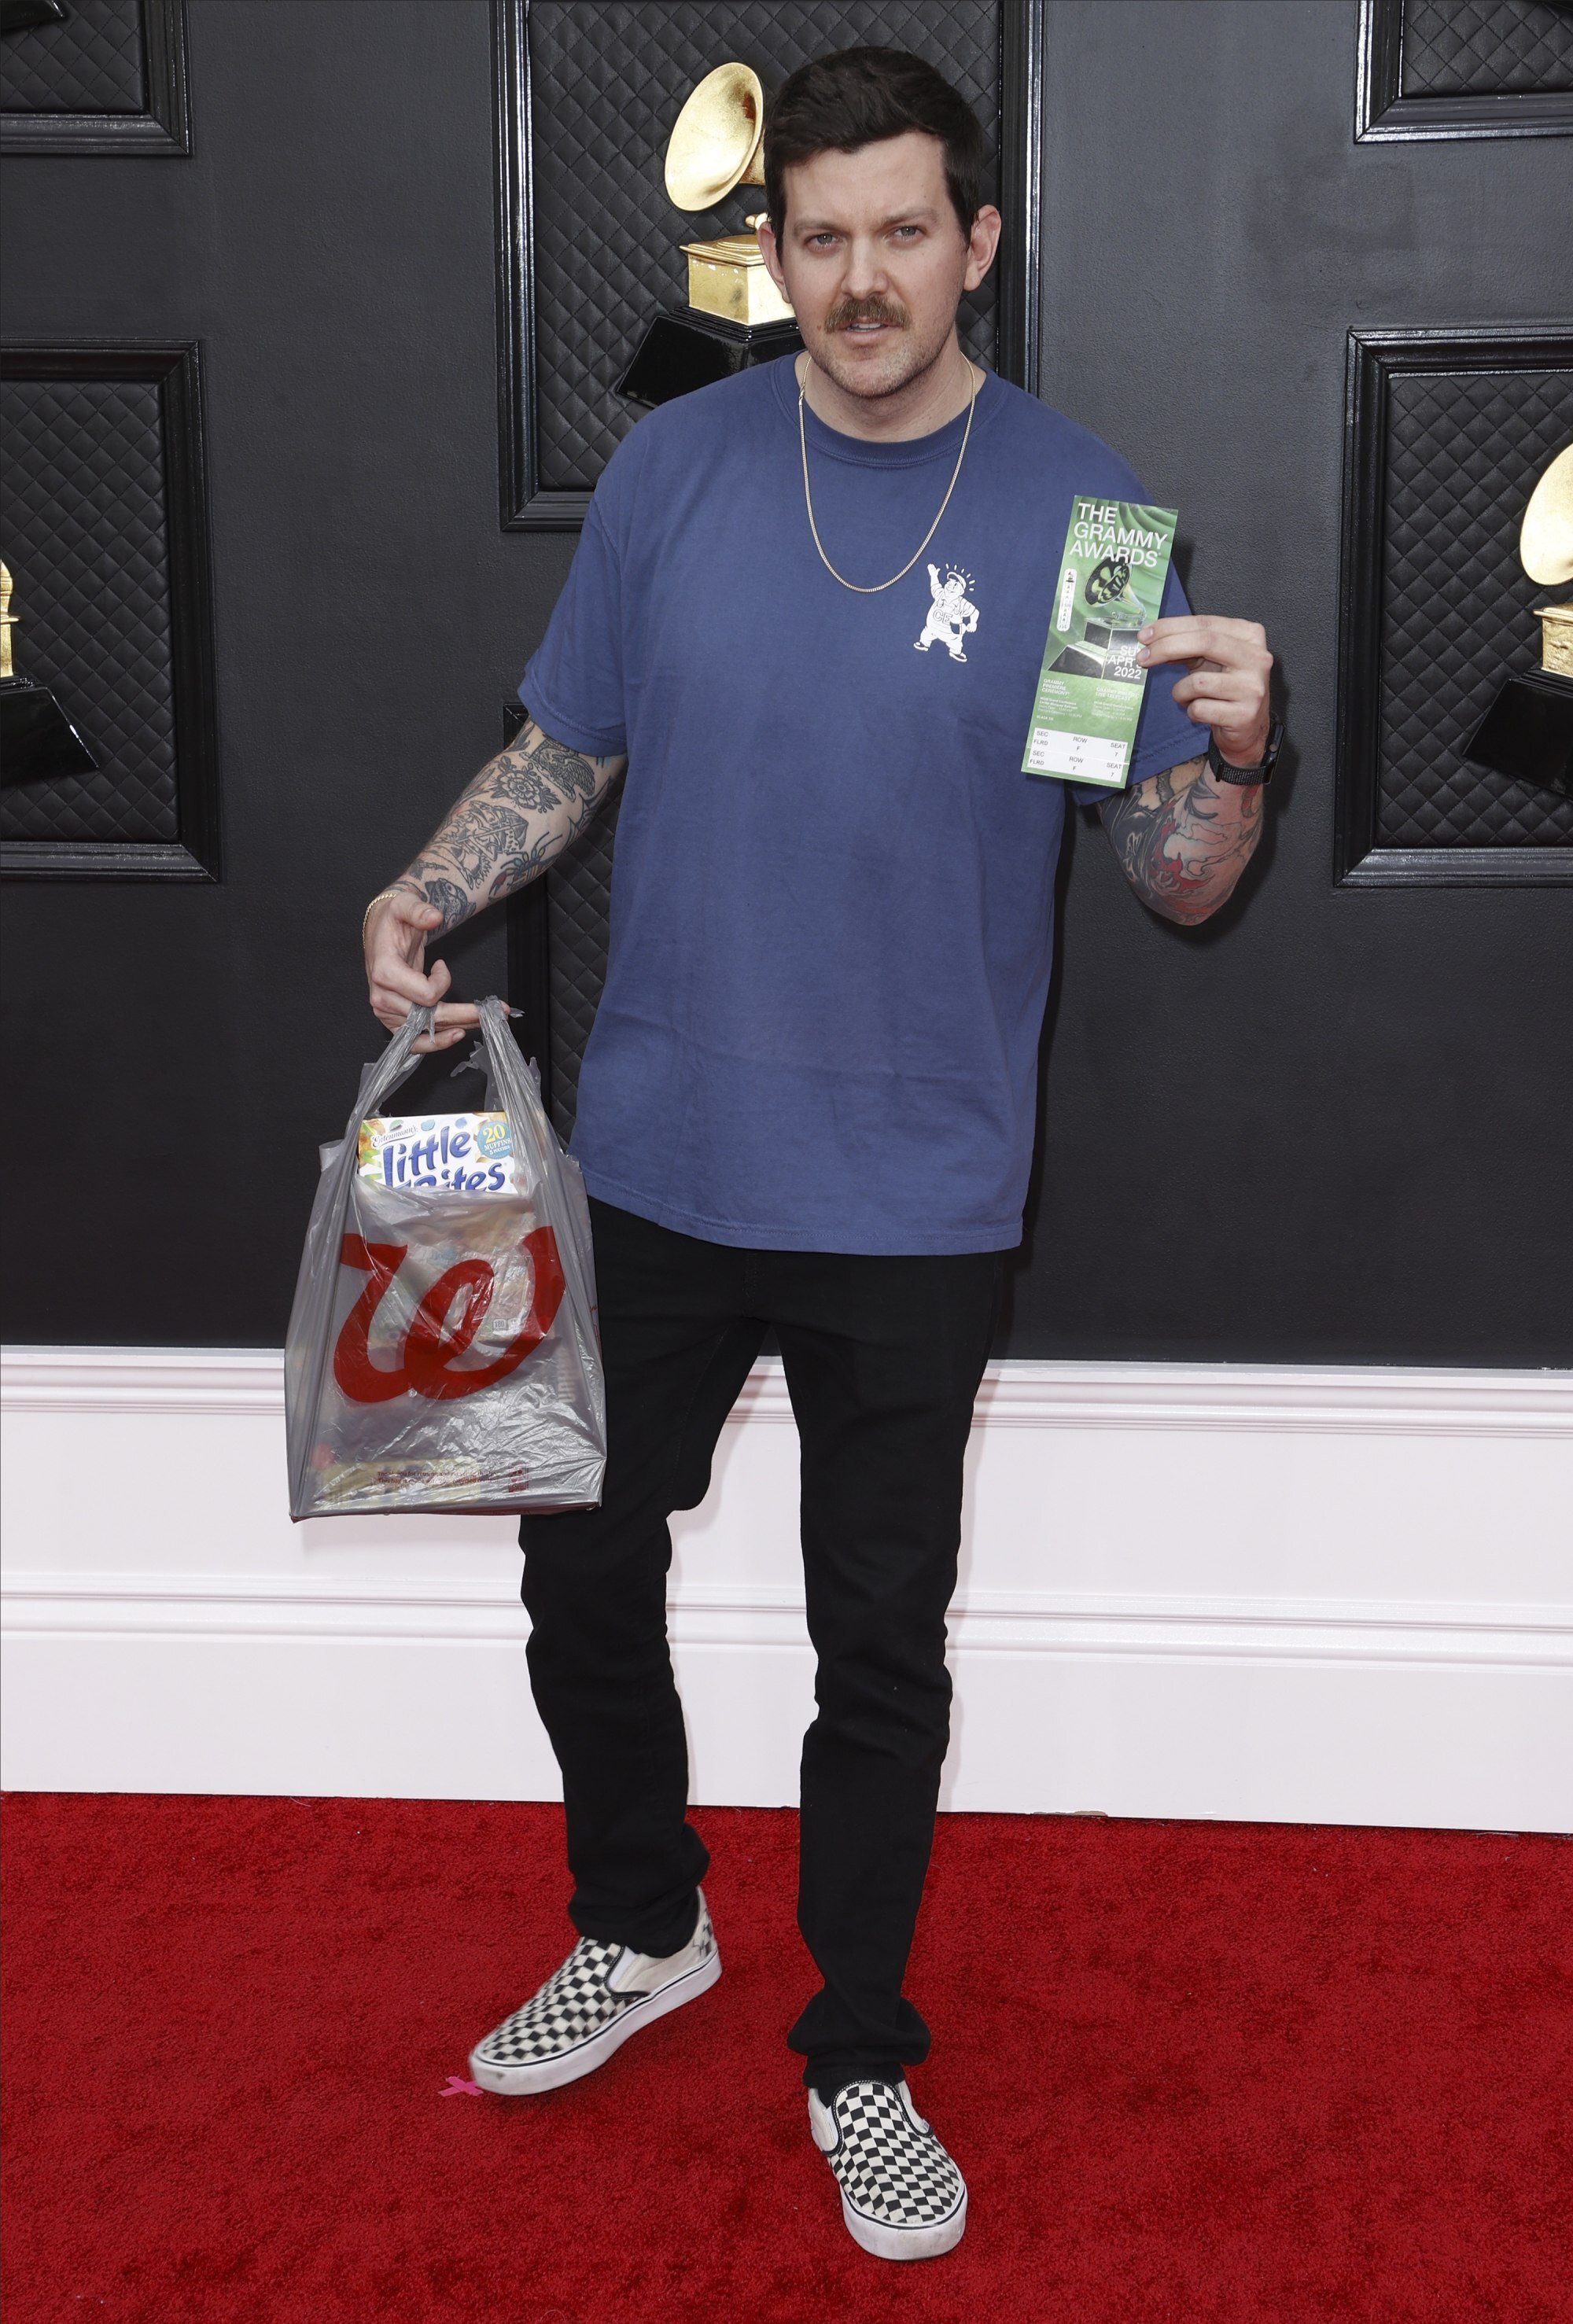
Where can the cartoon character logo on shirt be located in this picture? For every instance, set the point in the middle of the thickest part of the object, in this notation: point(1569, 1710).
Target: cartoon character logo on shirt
point(952, 616)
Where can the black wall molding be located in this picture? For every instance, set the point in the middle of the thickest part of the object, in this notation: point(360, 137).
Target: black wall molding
point(530, 950)
point(169, 564)
point(527, 368)
point(1378, 801)
point(557, 937)
point(1021, 291)
point(43, 109)
point(1393, 101)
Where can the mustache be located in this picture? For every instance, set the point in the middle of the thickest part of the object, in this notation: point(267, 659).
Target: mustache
point(867, 310)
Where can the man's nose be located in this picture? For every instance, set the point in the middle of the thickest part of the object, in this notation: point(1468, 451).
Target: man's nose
point(865, 277)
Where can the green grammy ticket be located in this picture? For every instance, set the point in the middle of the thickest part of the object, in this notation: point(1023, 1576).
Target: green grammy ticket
point(1091, 685)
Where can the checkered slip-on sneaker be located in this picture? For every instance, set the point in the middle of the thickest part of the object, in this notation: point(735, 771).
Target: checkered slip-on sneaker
point(901, 2197)
point(601, 1995)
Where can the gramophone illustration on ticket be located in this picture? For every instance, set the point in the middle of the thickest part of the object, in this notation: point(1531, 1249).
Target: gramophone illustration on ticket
point(1528, 731)
point(735, 314)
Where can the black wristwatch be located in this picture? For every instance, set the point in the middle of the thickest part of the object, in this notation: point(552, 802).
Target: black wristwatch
point(1260, 773)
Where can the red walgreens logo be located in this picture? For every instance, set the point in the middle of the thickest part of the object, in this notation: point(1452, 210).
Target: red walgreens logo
point(438, 1337)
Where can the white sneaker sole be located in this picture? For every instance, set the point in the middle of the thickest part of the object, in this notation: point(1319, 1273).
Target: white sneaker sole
point(905, 2243)
point(553, 2073)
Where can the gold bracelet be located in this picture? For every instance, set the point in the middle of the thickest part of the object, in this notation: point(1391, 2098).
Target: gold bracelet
point(371, 906)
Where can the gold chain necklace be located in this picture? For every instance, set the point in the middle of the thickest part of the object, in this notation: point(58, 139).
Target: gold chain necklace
point(865, 588)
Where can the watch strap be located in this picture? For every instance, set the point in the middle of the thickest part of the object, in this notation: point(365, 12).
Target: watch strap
point(1262, 772)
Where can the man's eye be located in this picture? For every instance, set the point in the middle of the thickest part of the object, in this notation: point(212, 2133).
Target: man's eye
point(908, 229)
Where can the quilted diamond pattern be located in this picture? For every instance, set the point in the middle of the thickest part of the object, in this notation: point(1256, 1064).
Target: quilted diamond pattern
point(1484, 47)
point(89, 62)
point(578, 888)
point(82, 528)
point(1464, 450)
point(607, 77)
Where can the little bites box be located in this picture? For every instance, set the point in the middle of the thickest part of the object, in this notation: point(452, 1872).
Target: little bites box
point(1091, 685)
point(437, 1153)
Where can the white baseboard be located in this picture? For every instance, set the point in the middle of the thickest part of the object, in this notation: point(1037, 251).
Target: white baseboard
point(1268, 1593)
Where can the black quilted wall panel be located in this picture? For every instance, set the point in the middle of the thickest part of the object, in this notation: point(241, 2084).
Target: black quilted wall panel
point(1486, 47)
point(1463, 452)
point(607, 79)
point(84, 529)
point(92, 61)
point(1379, 1055)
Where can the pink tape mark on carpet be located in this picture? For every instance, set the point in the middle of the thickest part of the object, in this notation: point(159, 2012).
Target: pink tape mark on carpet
point(460, 2089)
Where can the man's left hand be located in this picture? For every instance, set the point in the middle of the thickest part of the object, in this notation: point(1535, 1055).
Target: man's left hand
point(1227, 687)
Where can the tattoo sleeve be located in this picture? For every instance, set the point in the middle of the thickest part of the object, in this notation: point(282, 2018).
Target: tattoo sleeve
point(1183, 840)
point(522, 809)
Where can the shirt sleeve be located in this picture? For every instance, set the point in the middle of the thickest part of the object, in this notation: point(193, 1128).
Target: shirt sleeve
point(1165, 736)
point(573, 684)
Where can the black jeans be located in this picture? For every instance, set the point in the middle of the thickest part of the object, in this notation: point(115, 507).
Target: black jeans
point(883, 1359)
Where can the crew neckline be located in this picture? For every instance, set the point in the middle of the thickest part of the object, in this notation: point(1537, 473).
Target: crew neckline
point(867, 452)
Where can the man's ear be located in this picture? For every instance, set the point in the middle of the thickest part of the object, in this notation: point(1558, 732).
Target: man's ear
point(982, 243)
point(771, 254)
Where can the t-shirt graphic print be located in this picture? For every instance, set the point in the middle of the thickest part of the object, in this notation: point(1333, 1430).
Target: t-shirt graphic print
point(833, 895)
point(952, 617)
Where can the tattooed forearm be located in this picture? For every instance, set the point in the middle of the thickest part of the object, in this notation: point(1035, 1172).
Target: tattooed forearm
point(522, 809)
point(1184, 839)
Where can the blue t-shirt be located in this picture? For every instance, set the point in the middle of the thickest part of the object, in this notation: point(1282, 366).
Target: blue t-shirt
point(833, 895)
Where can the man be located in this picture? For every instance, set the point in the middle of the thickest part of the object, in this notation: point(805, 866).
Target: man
point(808, 1098)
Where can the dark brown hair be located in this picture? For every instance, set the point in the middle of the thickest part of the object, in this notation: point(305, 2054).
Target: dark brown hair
point(856, 97)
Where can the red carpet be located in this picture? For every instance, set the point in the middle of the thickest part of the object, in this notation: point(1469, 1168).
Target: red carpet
point(1192, 2071)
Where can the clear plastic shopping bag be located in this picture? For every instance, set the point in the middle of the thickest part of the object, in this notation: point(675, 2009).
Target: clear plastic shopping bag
point(443, 1350)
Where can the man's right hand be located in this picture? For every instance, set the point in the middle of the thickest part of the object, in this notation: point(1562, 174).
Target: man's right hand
point(397, 929)
point(505, 826)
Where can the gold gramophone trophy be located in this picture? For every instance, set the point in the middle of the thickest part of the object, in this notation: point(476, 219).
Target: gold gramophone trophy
point(37, 740)
point(735, 314)
point(1528, 731)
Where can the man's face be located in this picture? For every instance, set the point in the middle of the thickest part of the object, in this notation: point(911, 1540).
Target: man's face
point(874, 259)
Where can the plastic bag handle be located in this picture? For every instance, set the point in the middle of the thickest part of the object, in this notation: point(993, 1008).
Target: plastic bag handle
point(517, 1085)
point(376, 1082)
point(397, 1063)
